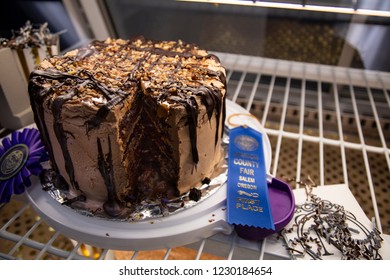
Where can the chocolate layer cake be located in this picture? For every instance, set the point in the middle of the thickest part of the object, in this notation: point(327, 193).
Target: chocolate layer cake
point(129, 121)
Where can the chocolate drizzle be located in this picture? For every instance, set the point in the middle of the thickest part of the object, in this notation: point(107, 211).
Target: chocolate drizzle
point(112, 207)
point(212, 99)
point(191, 107)
point(62, 135)
point(37, 98)
point(96, 120)
point(192, 111)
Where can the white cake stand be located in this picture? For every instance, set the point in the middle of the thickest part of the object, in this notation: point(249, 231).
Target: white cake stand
point(203, 220)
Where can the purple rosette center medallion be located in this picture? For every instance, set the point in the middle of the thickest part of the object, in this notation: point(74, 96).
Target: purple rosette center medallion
point(20, 157)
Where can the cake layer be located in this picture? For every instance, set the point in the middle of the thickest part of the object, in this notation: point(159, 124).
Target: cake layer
point(128, 121)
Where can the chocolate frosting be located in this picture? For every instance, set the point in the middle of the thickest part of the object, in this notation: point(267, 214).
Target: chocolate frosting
point(115, 70)
point(211, 96)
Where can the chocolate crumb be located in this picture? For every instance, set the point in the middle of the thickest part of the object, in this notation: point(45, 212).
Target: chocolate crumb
point(206, 181)
point(195, 194)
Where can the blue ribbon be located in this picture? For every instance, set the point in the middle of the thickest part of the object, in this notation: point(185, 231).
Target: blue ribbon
point(247, 189)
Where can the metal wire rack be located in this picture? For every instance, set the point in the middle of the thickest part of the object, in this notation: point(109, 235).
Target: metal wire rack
point(326, 122)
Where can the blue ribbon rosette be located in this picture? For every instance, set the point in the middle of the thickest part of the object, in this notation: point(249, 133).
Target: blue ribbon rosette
point(247, 188)
point(20, 157)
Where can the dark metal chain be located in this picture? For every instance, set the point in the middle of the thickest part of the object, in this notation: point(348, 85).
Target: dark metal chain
point(323, 227)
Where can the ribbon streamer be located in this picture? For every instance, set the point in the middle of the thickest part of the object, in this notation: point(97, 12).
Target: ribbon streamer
point(247, 194)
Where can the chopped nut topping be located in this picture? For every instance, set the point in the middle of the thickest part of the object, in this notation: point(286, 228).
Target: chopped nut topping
point(117, 66)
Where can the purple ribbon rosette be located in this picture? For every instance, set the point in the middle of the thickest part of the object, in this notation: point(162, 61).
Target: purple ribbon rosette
point(21, 156)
